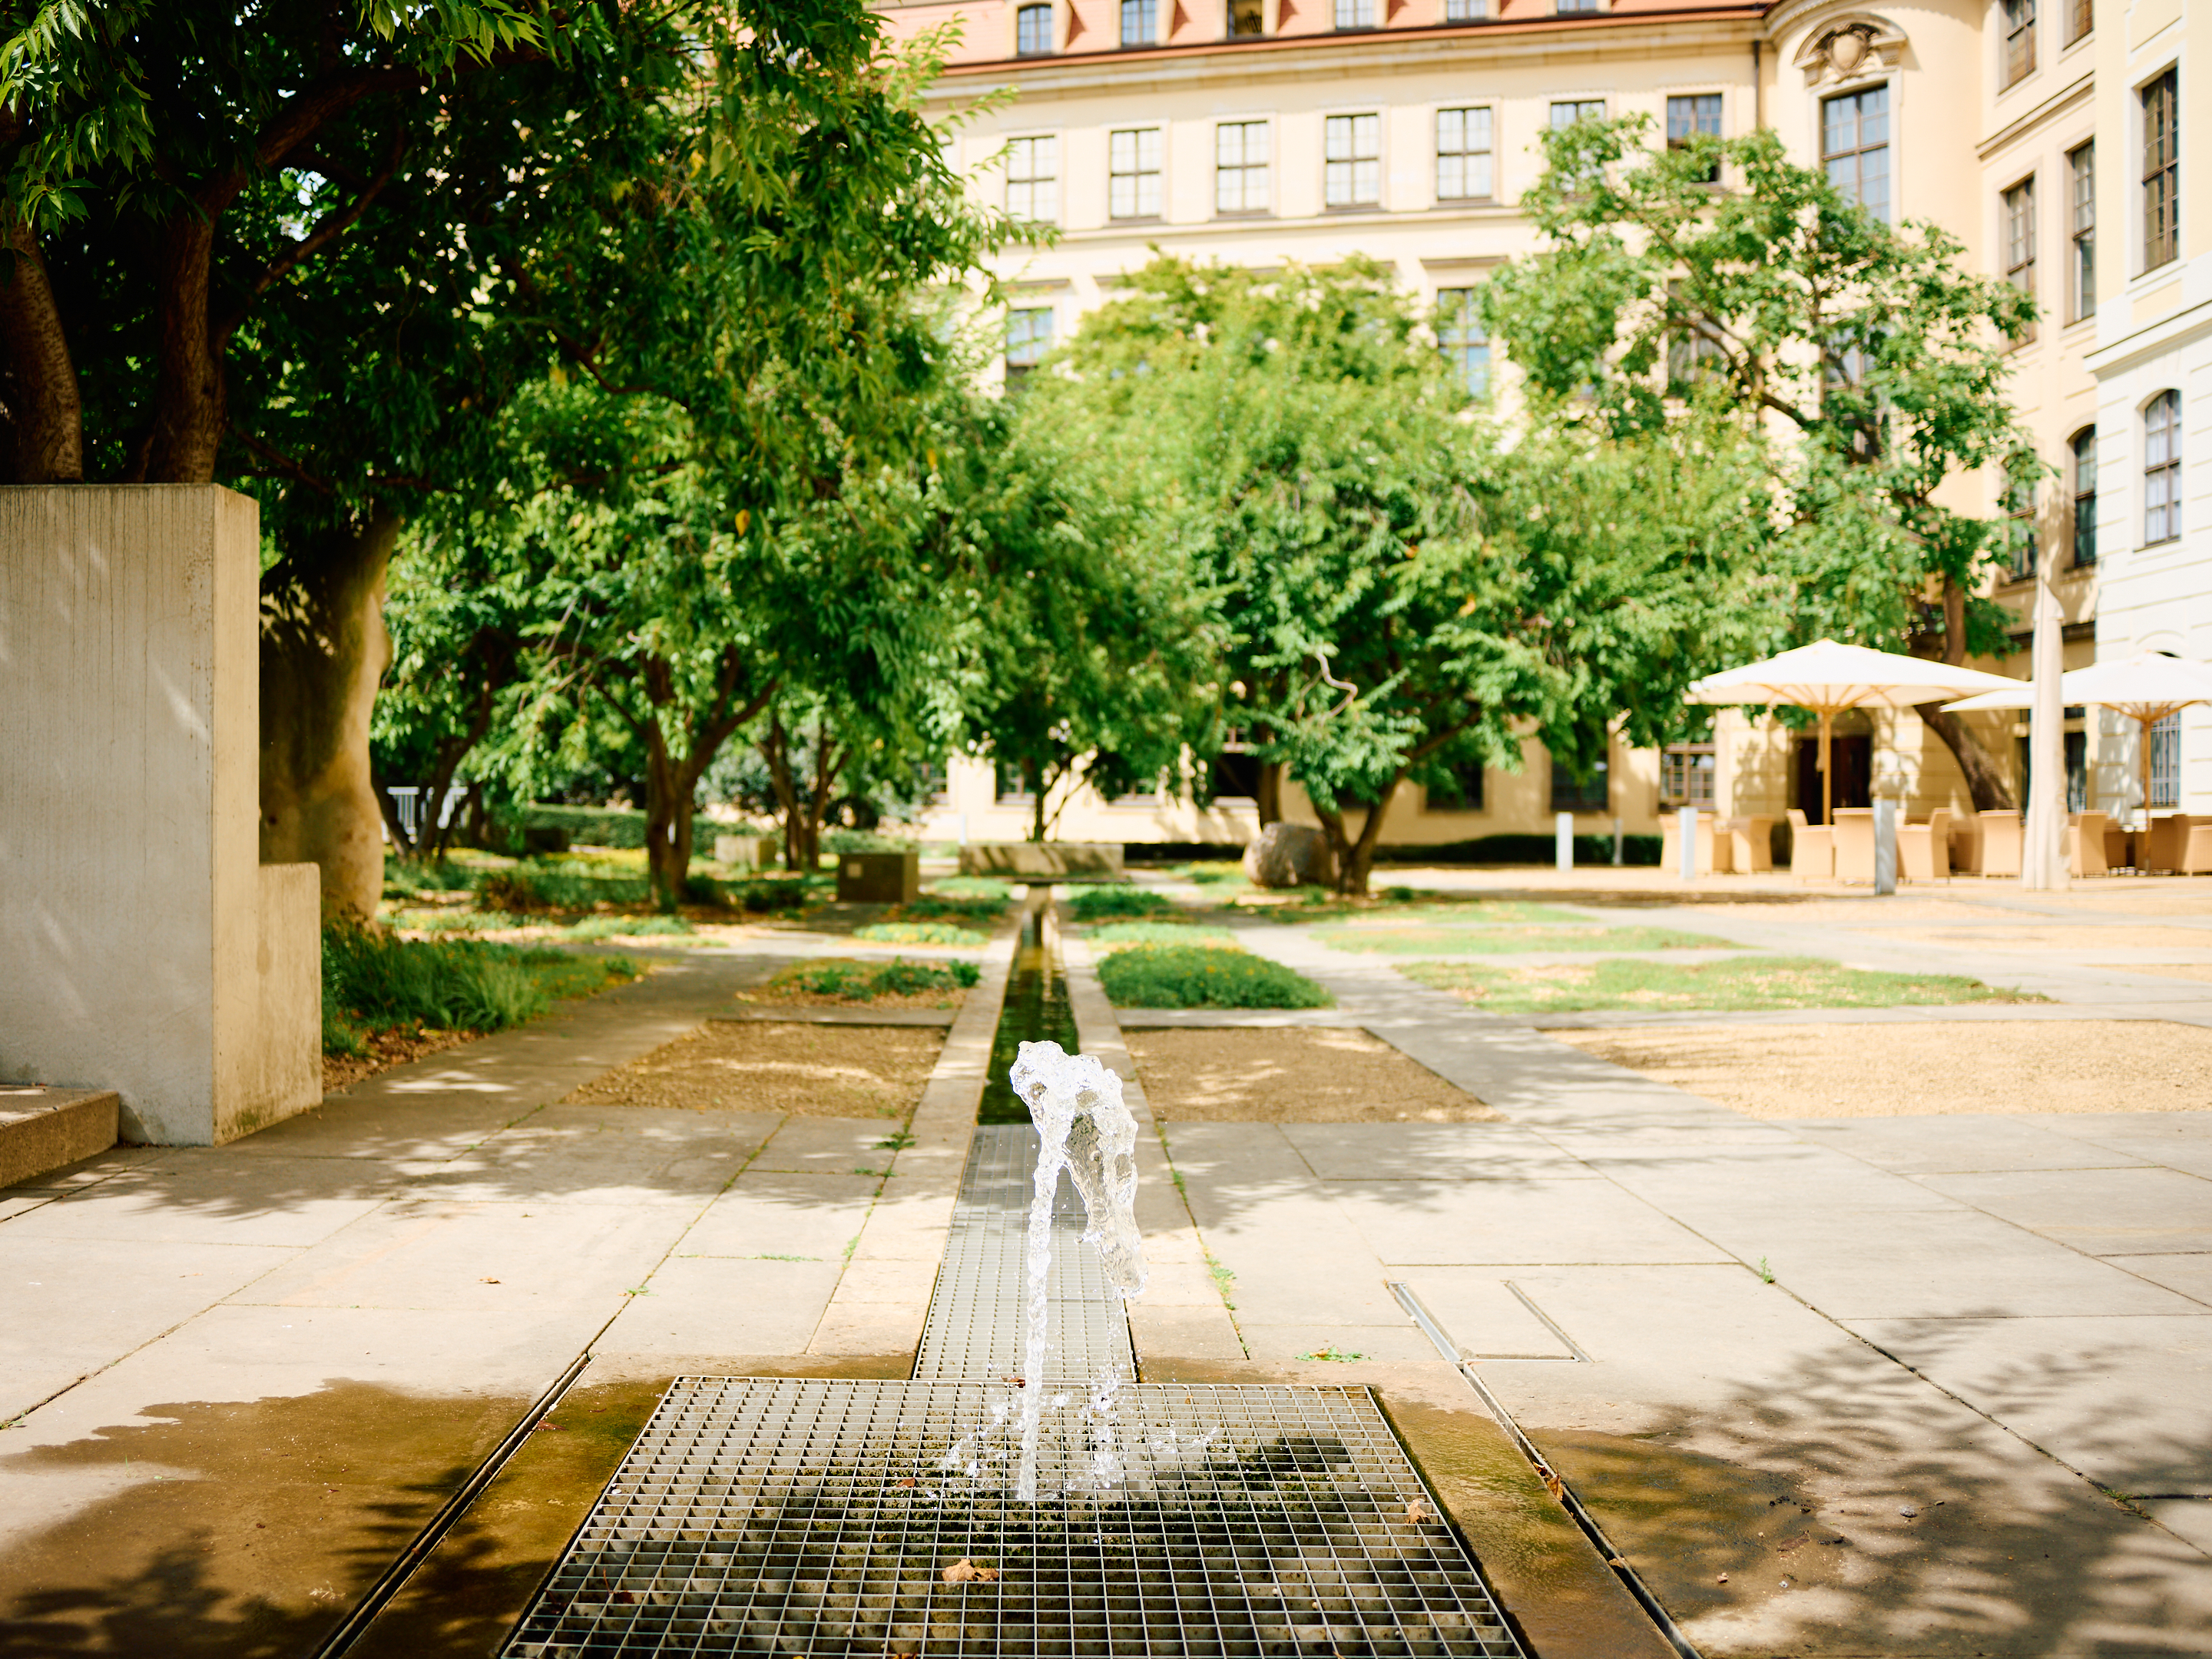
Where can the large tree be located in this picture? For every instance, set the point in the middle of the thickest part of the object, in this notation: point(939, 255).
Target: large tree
point(1395, 588)
point(313, 247)
point(1717, 288)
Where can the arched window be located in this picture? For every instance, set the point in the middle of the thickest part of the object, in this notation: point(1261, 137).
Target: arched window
point(2162, 468)
point(1033, 31)
point(2085, 496)
point(1140, 22)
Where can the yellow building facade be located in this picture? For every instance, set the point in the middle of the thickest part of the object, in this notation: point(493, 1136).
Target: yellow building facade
point(2051, 137)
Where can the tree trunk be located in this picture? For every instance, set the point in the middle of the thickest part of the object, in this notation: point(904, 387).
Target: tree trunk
point(1985, 783)
point(1270, 798)
point(1355, 856)
point(1035, 774)
point(324, 649)
point(37, 379)
point(188, 383)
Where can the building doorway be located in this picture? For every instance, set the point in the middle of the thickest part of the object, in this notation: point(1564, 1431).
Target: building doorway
point(1851, 760)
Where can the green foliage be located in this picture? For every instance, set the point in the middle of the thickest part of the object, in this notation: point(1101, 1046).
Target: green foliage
point(1119, 933)
point(594, 927)
point(941, 907)
point(1198, 976)
point(1862, 368)
point(589, 826)
point(1394, 589)
point(861, 981)
point(1448, 941)
point(1090, 903)
point(975, 887)
point(918, 933)
point(1532, 849)
point(372, 983)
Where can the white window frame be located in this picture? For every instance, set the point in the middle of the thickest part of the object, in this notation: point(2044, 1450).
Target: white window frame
point(1020, 155)
point(1488, 152)
point(1353, 171)
point(1246, 125)
point(1137, 172)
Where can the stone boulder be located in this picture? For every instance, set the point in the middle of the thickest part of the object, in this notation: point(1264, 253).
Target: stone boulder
point(1290, 856)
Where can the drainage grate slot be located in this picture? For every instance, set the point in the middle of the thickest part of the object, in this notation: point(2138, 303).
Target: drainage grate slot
point(776, 1517)
point(974, 1331)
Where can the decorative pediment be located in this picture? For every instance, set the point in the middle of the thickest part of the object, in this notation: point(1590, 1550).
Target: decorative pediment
point(1849, 49)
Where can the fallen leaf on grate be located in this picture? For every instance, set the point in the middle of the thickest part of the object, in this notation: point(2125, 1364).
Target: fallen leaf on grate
point(1416, 1512)
point(964, 1571)
point(1553, 1483)
point(903, 1483)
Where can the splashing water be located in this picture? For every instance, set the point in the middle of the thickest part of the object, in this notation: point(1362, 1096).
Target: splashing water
point(1083, 1128)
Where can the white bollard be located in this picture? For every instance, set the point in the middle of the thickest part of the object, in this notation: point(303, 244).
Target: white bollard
point(1686, 823)
point(1619, 842)
point(1563, 839)
point(1885, 846)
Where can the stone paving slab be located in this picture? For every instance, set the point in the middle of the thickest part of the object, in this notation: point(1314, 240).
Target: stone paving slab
point(2097, 1212)
point(1960, 1143)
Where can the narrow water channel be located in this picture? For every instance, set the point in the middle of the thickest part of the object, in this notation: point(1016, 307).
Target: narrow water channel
point(1035, 1010)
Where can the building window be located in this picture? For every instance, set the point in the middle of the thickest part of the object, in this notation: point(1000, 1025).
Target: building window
point(1132, 185)
point(2166, 761)
point(1461, 792)
point(1355, 14)
point(1588, 794)
point(1687, 771)
point(1240, 166)
point(1351, 169)
point(2084, 448)
point(1033, 31)
point(2162, 468)
point(2080, 18)
point(2161, 117)
point(1140, 22)
point(1464, 341)
point(1464, 158)
point(2018, 40)
point(1028, 336)
point(1247, 19)
point(1033, 178)
point(1688, 349)
point(2020, 528)
point(1013, 787)
point(1465, 11)
point(2019, 242)
point(1855, 148)
point(1568, 110)
point(1574, 8)
point(2081, 181)
point(1697, 116)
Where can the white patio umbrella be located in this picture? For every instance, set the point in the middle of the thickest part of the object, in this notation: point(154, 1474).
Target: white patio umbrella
point(1828, 677)
point(2145, 688)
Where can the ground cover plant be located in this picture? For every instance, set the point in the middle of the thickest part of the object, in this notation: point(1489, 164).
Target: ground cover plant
point(1204, 976)
point(372, 983)
point(1115, 935)
point(973, 887)
point(1404, 904)
point(838, 979)
point(1505, 940)
point(918, 933)
point(1740, 984)
point(1090, 904)
point(976, 911)
point(594, 927)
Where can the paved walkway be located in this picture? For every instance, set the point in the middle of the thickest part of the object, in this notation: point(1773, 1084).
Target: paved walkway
point(241, 1378)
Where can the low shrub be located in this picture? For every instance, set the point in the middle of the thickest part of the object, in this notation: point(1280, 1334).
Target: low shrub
point(1123, 933)
point(918, 933)
point(865, 840)
point(786, 894)
point(1091, 902)
point(594, 826)
point(1527, 849)
point(510, 890)
point(594, 927)
point(1203, 976)
point(863, 982)
point(372, 982)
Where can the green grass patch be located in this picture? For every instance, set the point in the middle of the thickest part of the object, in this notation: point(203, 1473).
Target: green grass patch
point(373, 983)
point(918, 933)
point(1499, 941)
point(1115, 934)
point(594, 927)
point(974, 887)
point(1091, 903)
point(974, 911)
point(1204, 976)
point(840, 981)
point(1742, 984)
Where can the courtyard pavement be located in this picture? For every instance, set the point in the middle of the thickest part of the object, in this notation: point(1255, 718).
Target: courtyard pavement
point(1938, 1385)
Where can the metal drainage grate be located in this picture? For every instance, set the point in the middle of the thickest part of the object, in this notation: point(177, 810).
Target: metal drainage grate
point(974, 1331)
point(775, 1516)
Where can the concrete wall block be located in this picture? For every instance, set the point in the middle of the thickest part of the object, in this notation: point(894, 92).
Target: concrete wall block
point(131, 893)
